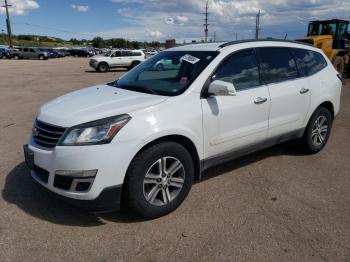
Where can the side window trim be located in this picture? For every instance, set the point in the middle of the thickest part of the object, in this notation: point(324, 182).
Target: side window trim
point(300, 74)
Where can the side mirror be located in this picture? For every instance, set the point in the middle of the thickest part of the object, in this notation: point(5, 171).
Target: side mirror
point(221, 88)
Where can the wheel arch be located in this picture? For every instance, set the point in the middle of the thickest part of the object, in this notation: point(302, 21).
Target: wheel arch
point(329, 106)
point(185, 142)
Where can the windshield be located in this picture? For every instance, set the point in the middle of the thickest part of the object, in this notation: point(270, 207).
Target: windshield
point(109, 53)
point(169, 73)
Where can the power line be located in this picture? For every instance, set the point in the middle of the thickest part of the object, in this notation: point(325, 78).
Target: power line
point(55, 29)
point(206, 22)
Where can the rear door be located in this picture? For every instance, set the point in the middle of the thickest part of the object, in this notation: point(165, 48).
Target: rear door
point(32, 53)
point(127, 58)
point(25, 53)
point(232, 123)
point(289, 91)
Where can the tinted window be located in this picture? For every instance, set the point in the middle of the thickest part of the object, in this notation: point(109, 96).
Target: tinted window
point(241, 69)
point(25, 49)
point(276, 64)
point(127, 53)
point(117, 54)
point(136, 54)
point(31, 50)
point(309, 62)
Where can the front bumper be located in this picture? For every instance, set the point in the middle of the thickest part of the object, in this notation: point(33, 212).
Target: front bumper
point(110, 160)
point(93, 64)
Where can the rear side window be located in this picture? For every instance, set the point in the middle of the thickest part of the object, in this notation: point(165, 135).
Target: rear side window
point(276, 65)
point(241, 69)
point(136, 54)
point(309, 62)
point(127, 53)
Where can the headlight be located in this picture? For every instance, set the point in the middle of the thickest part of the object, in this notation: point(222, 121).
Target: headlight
point(94, 133)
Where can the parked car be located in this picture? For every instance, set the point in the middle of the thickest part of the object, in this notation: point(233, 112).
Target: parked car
point(167, 64)
point(117, 58)
point(51, 53)
point(29, 53)
point(4, 53)
point(143, 139)
point(79, 53)
point(12, 51)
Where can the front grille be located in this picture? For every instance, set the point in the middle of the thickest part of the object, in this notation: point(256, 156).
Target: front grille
point(63, 182)
point(47, 135)
point(41, 174)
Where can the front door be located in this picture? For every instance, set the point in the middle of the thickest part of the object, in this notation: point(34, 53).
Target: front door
point(232, 123)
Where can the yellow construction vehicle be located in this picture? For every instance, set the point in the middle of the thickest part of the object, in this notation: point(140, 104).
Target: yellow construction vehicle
point(332, 37)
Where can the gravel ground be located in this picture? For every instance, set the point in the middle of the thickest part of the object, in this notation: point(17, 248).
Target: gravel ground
point(274, 205)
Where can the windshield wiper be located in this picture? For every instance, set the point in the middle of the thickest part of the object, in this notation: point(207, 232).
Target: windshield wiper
point(134, 88)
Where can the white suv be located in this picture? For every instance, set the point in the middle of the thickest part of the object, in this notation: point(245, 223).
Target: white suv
point(143, 139)
point(117, 58)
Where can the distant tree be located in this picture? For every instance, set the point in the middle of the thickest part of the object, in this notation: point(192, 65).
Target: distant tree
point(98, 42)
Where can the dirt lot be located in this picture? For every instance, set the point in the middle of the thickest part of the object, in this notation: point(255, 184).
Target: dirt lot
point(275, 205)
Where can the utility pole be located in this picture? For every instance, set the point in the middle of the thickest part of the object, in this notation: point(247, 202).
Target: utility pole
point(236, 36)
point(206, 22)
point(8, 23)
point(257, 26)
point(214, 37)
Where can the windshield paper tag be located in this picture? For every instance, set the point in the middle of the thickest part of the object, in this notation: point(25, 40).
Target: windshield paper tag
point(190, 59)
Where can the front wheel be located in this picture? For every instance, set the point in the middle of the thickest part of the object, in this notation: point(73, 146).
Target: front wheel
point(158, 180)
point(318, 130)
point(103, 67)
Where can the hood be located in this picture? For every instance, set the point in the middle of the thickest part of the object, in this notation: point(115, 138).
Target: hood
point(94, 103)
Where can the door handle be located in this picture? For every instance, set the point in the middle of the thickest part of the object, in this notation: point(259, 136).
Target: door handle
point(304, 90)
point(260, 100)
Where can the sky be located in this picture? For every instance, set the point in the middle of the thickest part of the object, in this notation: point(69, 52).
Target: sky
point(148, 20)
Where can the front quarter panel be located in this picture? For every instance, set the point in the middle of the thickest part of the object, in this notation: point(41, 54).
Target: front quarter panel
point(179, 115)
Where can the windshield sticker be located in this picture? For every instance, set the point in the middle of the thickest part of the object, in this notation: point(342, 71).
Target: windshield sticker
point(190, 59)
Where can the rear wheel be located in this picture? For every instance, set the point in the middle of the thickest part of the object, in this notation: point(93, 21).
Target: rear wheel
point(41, 57)
point(103, 67)
point(318, 130)
point(158, 180)
point(133, 64)
point(338, 64)
point(16, 57)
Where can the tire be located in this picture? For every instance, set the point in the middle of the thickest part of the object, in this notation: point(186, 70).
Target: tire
point(133, 64)
point(41, 57)
point(338, 64)
point(312, 137)
point(137, 187)
point(102, 67)
point(16, 57)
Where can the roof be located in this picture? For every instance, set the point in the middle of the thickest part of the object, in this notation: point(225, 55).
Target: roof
point(220, 45)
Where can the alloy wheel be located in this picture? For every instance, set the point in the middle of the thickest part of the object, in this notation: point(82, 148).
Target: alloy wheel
point(319, 130)
point(163, 181)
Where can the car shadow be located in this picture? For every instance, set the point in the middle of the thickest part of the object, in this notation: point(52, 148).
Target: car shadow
point(21, 190)
point(290, 148)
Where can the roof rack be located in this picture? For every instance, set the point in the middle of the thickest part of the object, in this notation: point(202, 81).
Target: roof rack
point(262, 40)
